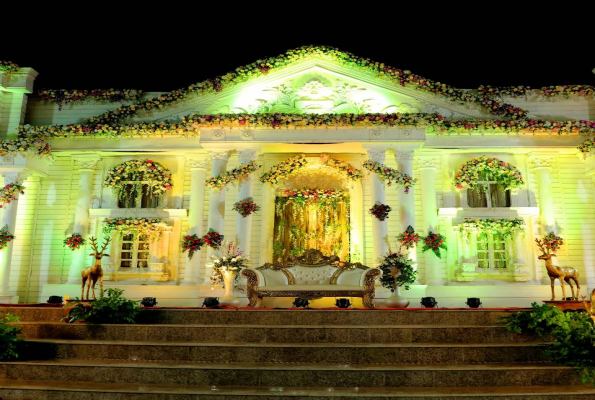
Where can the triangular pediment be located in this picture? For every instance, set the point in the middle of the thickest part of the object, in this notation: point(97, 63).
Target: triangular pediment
point(317, 85)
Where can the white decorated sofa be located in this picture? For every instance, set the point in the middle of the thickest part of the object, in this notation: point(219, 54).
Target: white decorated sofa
point(312, 276)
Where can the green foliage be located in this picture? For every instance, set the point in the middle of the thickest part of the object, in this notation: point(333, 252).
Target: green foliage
point(573, 336)
point(112, 308)
point(407, 275)
point(9, 339)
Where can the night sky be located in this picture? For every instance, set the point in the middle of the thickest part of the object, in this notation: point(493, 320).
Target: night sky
point(173, 51)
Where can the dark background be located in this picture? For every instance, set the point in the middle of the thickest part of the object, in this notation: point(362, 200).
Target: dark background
point(167, 46)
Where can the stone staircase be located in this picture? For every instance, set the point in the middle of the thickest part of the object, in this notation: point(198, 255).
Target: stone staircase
point(284, 354)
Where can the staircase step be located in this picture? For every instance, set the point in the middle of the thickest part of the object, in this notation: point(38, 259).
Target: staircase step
point(267, 374)
point(315, 353)
point(67, 390)
point(274, 333)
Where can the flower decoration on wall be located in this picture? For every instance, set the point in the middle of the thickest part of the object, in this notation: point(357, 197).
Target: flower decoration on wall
point(9, 193)
point(552, 242)
point(343, 167)
point(74, 241)
point(73, 96)
point(147, 172)
point(242, 171)
point(246, 207)
point(503, 226)
point(390, 175)
point(514, 126)
point(568, 90)
point(587, 146)
point(488, 169)
point(409, 238)
point(191, 244)
point(380, 211)
point(313, 194)
point(25, 146)
point(8, 66)
point(213, 239)
point(5, 237)
point(149, 227)
point(282, 170)
point(434, 242)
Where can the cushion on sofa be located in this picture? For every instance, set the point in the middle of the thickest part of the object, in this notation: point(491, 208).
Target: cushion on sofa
point(312, 275)
point(311, 287)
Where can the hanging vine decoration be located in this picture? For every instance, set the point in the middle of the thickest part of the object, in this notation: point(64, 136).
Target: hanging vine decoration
point(9, 193)
point(149, 227)
point(503, 226)
point(145, 174)
point(241, 171)
point(390, 175)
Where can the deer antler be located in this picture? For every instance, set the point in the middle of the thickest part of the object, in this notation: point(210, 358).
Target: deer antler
point(542, 248)
point(107, 240)
point(94, 244)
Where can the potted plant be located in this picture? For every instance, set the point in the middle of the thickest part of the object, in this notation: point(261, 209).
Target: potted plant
point(397, 271)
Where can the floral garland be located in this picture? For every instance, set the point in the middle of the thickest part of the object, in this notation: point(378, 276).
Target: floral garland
point(313, 194)
point(65, 96)
point(139, 173)
point(8, 66)
point(380, 211)
point(505, 227)
point(262, 67)
point(390, 175)
point(510, 91)
point(150, 227)
point(546, 91)
point(25, 146)
point(488, 168)
point(242, 171)
point(552, 242)
point(9, 192)
point(434, 242)
point(74, 241)
point(5, 237)
point(246, 207)
point(514, 126)
point(343, 167)
point(409, 238)
point(282, 170)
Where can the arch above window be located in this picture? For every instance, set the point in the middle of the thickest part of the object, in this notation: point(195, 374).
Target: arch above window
point(488, 169)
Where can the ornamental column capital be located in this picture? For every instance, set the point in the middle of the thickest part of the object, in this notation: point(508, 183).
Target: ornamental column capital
point(377, 154)
point(404, 155)
point(247, 155)
point(428, 162)
point(541, 161)
point(15, 175)
point(219, 155)
point(86, 161)
point(197, 163)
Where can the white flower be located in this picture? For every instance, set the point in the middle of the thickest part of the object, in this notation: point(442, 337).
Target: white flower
point(224, 258)
point(234, 259)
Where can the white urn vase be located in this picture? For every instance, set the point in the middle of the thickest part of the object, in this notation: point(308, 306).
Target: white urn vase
point(396, 300)
point(229, 299)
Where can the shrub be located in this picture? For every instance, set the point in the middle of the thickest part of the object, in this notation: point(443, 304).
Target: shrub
point(112, 308)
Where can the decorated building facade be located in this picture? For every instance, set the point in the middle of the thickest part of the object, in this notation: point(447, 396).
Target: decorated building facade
point(312, 140)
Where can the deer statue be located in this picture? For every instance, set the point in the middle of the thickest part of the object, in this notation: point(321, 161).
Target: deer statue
point(94, 273)
point(560, 273)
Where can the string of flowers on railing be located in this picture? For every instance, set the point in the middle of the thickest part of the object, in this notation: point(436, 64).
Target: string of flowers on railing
point(193, 243)
point(434, 242)
point(343, 167)
point(390, 175)
point(503, 226)
point(73, 96)
point(8, 66)
point(488, 169)
point(283, 169)
point(149, 227)
point(25, 146)
point(409, 238)
point(241, 171)
point(546, 91)
point(74, 241)
point(139, 173)
point(380, 211)
point(9, 193)
point(5, 237)
point(246, 207)
point(262, 67)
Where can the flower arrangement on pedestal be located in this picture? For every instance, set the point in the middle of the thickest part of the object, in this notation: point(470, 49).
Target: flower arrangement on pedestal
point(242, 171)
point(228, 259)
point(390, 175)
point(5, 237)
point(74, 241)
point(552, 242)
point(488, 169)
point(8, 66)
point(434, 242)
point(246, 207)
point(9, 192)
point(282, 170)
point(397, 270)
point(380, 211)
point(138, 173)
point(409, 238)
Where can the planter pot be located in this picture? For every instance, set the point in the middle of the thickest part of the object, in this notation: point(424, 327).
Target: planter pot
point(396, 300)
point(229, 299)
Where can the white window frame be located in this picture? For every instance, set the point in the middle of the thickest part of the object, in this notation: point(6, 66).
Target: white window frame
point(490, 252)
point(134, 251)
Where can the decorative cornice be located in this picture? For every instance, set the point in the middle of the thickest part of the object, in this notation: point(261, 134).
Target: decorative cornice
point(247, 134)
point(86, 161)
point(377, 155)
point(197, 163)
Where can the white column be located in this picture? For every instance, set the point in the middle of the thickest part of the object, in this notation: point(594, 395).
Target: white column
point(216, 219)
point(9, 219)
point(542, 166)
point(404, 161)
point(246, 189)
point(427, 169)
point(378, 195)
point(198, 174)
point(356, 221)
point(267, 224)
point(87, 164)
